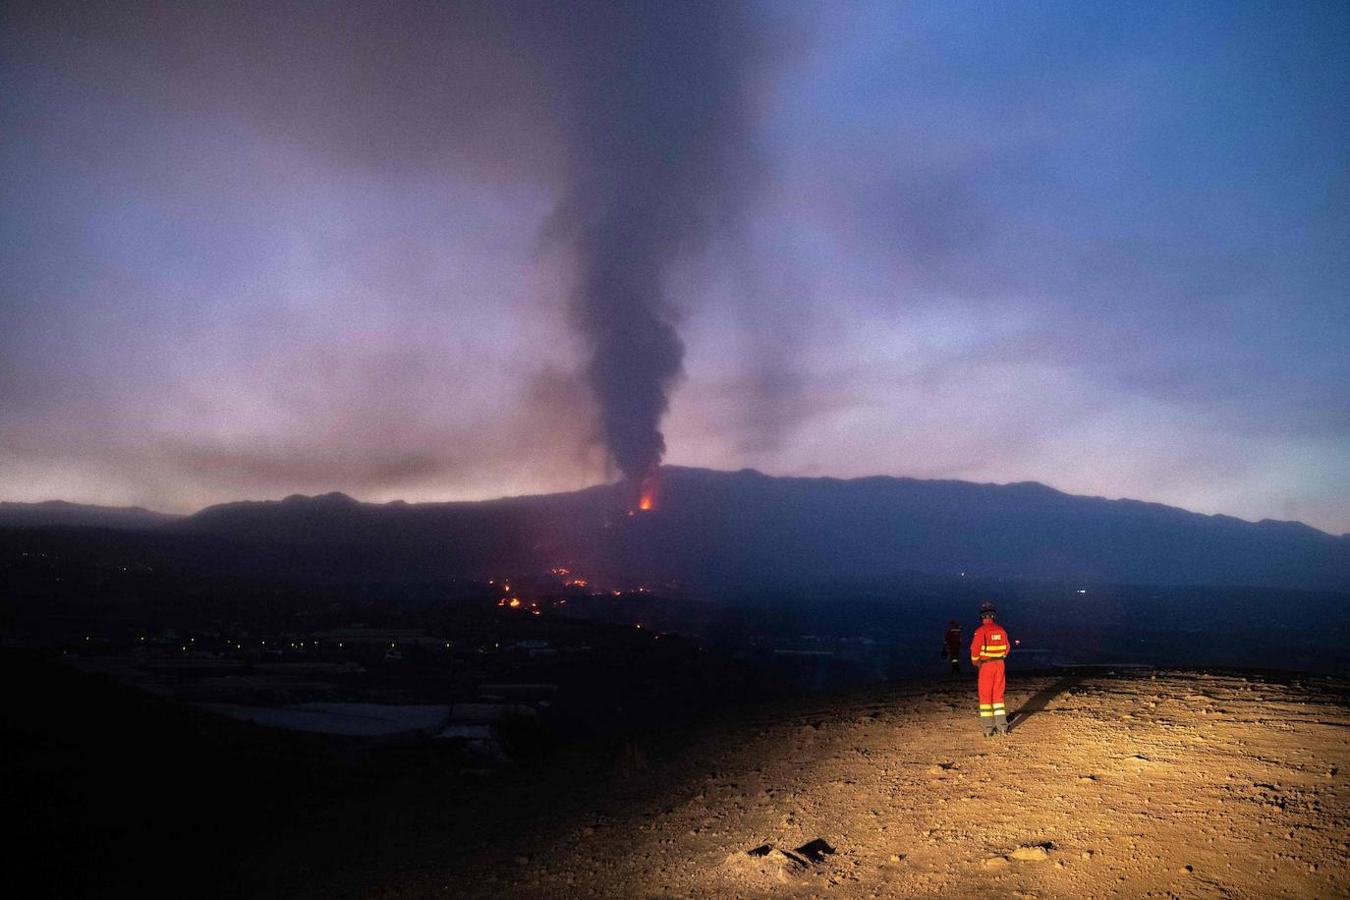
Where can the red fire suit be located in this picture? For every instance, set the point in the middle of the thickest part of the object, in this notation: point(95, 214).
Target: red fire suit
point(987, 651)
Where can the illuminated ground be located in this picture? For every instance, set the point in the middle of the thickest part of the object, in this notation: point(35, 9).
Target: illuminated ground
point(1127, 783)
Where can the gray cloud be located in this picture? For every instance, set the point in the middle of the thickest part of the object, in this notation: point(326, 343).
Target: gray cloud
point(660, 156)
point(1152, 203)
point(393, 85)
point(636, 114)
point(262, 247)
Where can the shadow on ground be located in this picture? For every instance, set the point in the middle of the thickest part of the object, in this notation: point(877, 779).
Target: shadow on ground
point(1042, 698)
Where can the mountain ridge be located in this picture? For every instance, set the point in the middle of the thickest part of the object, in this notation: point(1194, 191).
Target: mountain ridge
point(744, 529)
point(9, 510)
point(63, 512)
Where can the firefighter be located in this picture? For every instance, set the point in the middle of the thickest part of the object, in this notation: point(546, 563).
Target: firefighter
point(951, 645)
point(987, 652)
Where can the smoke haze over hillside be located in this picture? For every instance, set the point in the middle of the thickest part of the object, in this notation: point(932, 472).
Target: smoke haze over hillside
point(281, 247)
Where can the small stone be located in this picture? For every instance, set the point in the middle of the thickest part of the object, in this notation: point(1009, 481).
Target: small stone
point(1034, 853)
point(1186, 870)
point(896, 857)
point(522, 860)
point(997, 862)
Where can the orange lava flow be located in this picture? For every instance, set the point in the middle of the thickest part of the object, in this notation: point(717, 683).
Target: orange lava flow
point(647, 493)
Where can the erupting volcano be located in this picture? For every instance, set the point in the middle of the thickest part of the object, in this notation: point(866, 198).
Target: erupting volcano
point(660, 154)
point(648, 489)
point(642, 494)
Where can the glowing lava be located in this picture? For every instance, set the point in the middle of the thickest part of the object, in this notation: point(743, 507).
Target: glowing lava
point(647, 491)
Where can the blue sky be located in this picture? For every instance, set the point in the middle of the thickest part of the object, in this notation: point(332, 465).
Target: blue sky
point(1101, 247)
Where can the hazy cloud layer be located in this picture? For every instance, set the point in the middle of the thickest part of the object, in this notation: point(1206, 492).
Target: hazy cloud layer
point(279, 247)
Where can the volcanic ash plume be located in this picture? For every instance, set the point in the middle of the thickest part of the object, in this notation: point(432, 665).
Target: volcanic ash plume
point(659, 158)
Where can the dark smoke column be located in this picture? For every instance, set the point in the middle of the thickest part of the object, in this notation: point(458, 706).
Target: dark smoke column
point(659, 159)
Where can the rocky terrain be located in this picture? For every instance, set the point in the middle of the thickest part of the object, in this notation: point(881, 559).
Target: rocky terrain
point(1127, 782)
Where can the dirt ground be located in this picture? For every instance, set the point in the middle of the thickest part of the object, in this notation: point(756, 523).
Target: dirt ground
point(1127, 783)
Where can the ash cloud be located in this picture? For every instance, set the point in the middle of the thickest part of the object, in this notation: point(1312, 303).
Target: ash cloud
point(660, 157)
point(633, 118)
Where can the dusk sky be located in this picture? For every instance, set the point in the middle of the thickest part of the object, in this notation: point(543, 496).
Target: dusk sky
point(265, 248)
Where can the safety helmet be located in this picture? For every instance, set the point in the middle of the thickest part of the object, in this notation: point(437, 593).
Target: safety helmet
point(987, 609)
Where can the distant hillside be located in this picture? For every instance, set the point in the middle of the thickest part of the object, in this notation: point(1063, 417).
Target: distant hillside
point(723, 529)
point(59, 512)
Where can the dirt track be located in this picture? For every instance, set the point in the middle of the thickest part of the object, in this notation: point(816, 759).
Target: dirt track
point(1128, 784)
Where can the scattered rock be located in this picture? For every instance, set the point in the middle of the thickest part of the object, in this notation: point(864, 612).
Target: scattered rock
point(766, 863)
point(1030, 853)
point(816, 850)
